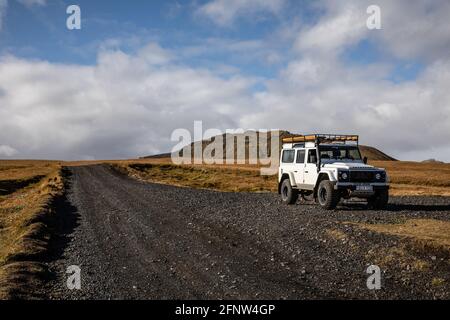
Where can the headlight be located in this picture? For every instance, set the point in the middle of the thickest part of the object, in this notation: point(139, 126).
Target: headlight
point(378, 176)
point(343, 175)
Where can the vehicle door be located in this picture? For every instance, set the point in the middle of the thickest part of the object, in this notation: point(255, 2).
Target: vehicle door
point(299, 166)
point(287, 161)
point(310, 172)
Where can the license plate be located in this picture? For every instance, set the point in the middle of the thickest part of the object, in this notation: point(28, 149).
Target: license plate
point(364, 188)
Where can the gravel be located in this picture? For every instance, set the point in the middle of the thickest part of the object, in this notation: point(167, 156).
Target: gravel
point(135, 240)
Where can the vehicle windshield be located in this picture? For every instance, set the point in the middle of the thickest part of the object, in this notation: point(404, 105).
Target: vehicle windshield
point(339, 153)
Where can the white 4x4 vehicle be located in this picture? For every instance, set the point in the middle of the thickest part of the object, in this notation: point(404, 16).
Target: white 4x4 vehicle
point(329, 167)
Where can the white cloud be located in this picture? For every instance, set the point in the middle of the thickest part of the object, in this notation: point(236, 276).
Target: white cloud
point(7, 151)
point(416, 29)
point(343, 24)
point(410, 28)
point(128, 104)
point(124, 106)
point(317, 91)
point(225, 12)
point(153, 54)
point(316, 95)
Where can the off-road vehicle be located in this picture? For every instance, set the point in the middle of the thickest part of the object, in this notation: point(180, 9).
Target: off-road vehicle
point(328, 168)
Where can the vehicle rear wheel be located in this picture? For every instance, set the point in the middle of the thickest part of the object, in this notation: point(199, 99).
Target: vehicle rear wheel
point(288, 194)
point(379, 200)
point(328, 197)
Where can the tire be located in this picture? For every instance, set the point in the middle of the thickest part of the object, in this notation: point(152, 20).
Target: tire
point(380, 200)
point(288, 194)
point(326, 195)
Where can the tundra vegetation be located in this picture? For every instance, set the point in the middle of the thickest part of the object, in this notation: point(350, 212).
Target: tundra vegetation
point(407, 178)
point(27, 189)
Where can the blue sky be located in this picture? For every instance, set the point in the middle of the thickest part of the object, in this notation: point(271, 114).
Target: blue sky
point(39, 32)
point(297, 65)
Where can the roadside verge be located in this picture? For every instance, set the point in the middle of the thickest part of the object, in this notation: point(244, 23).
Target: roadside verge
point(25, 216)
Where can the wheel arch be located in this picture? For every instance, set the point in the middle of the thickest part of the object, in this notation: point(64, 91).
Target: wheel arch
point(322, 176)
point(284, 176)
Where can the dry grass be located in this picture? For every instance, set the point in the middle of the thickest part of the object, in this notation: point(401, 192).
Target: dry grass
point(23, 234)
point(398, 256)
point(224, 178)
point(336, 234)
point(407, 178)
point(436, 232)
point(25, 169)
point(27, 187)
point(436, 282)
point(415, 178)
point(420, 239)
point(427, 237)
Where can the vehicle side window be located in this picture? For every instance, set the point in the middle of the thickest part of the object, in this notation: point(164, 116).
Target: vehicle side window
point(300, 156)
point(312, 156)
point(288, 156)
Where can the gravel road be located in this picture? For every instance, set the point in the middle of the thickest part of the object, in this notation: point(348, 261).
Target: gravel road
point(135, 240)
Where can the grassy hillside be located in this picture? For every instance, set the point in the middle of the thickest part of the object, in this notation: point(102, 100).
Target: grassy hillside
point(374, 154)
point(370, 152)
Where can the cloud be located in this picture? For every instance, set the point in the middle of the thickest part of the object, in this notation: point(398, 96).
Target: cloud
point(7, 151)
point(319, 92)
point(341, 26)
point(225, 12)
point(124, 106)
point(153, 54)
point(127, 105)
point(401, 119)
point(411, 29)
point(416, 29)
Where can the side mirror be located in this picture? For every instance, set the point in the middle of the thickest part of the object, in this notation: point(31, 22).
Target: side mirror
point(365, 160)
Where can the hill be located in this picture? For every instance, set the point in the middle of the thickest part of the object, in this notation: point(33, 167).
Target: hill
point(367, 151)
point(374, 154)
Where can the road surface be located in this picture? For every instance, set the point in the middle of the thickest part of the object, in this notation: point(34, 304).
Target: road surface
point(135, 240)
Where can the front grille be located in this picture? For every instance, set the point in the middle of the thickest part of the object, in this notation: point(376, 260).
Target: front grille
point(362, 176)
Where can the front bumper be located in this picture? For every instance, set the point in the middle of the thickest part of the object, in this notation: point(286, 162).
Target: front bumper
point(352, 188)
point(353, 185)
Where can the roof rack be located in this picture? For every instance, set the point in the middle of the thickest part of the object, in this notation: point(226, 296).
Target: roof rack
point(321, 138)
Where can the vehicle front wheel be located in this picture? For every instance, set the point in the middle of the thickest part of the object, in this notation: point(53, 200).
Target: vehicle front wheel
point(379, 200)
point(328, 197)
point(288, 194)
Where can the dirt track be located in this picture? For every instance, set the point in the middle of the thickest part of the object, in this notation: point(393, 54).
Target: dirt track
point(146, 241)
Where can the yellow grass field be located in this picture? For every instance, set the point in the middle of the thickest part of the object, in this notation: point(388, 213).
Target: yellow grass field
point(407, 178)
point(26, 188)
point(415, 178)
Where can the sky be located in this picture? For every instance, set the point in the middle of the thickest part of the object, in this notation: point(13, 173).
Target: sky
point(137, 70)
